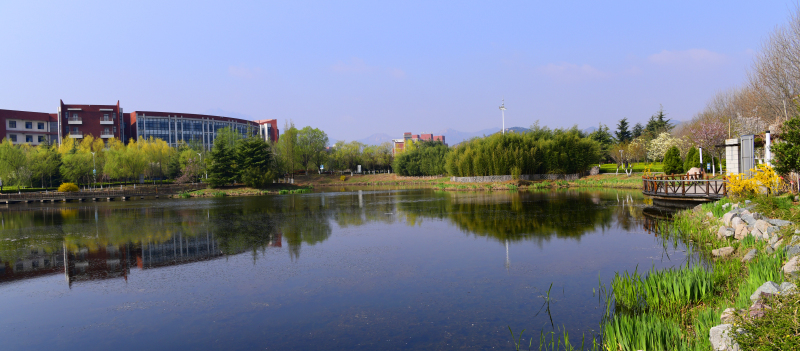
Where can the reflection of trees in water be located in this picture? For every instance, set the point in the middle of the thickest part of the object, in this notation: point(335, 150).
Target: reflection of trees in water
point(255, 223)
point(515, 216)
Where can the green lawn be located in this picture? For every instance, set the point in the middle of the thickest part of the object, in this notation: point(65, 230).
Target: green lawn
point(637, 167)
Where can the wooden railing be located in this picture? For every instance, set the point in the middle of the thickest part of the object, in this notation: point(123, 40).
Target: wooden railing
point(689, 186)
point(129, 191)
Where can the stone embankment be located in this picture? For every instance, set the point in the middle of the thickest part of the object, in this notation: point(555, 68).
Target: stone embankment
point(739, 223)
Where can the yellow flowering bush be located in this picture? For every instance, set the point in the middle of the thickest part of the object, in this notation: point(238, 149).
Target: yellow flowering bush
point(762, 175)
point(68, 187)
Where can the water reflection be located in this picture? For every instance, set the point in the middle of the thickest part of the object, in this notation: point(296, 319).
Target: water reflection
point(538, 216)
point(106, 241)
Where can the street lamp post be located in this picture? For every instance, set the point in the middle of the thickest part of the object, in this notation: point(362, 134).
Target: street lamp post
point(503, 113)
point(201, 161)
point(94, 170)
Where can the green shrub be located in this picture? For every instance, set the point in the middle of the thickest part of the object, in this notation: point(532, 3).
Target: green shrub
point(342, 178)
point(185, 195)
point(515, 172)
point(692, 160)
point(68, 187)
point(672, 161)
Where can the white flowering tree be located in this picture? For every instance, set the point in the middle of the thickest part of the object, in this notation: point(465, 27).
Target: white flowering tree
point(657, 147)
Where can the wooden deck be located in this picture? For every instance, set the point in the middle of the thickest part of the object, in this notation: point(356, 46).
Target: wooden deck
point(684, 188)
point(108, 194)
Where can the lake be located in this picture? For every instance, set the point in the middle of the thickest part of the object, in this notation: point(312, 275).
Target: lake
point(337, 269)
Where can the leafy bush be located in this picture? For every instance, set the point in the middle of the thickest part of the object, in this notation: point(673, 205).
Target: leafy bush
point(692, 160)
point(672, 161)
point(342, 178)
point(761, 176)
point(428, 158)
point(515, 172)
point(540, 151)
point(68, 187)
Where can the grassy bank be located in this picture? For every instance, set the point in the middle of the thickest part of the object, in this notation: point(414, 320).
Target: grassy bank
point(444, 183)
point(272, 189)
point(674, 309)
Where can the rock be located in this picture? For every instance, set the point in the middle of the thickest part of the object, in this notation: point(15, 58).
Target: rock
point(757, 233)
point(769, 250)
point(697, 208)
point(721, 339)
point(747, 202)
point(757, 310)
point(728, 316)
point(736, 221)
point(773, 240)
point(788, 288)
point(792, 251)
point(726, 218)
point(778, 222)
point(757, 216)
point(709, 214)
point(777, 244)
point(722, 252)
point(797, 231)
point(724, 206)
point(762, 225)
point(795, 240)
point(772, 229)
point(721, 232)
point(750, 255)
point(768, 287)
point(595, 170)
point(747, 218)
point(694, 171)
point(791, 267)
point(741, 232)
point(736, 205)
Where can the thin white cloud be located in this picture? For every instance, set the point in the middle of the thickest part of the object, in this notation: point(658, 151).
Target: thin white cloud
point(571, 72)
point(687, 57)
point(245, 72)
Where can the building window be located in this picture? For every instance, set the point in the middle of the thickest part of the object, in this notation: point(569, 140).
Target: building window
point(75, 129)
point(12, 124)
point(13, 137)
point(41, 138)
point(28, 125)
point(40, 125)
point(115, 129)
point(29, 138)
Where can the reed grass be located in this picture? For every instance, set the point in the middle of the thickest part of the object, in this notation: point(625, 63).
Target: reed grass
point(663, 290)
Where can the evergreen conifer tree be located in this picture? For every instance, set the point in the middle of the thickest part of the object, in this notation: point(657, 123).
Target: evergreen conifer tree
point(622, 133)
point(638, 129)
point(692, 159)
point(222, 169)
point(672, 161)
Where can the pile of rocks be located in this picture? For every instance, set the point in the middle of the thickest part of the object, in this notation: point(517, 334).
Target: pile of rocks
point(739, 223)
point(720, 336)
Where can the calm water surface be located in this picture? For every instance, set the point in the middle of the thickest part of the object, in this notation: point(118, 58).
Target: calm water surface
point(335, 270)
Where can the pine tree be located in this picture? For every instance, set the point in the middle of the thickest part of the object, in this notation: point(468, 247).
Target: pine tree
point(254, 158)
point(638, 129)
point(222, 170)
point(692, 159)
point(672, 161)
point(622, 133)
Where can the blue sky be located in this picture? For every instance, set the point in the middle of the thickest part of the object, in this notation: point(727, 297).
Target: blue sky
point(358, 68)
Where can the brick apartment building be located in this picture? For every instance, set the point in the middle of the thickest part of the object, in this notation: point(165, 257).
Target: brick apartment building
point(110, 121)
point(28, 127)
point(399, 145)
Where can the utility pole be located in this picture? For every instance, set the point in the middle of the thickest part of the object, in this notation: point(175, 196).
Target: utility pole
point(503, 113)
